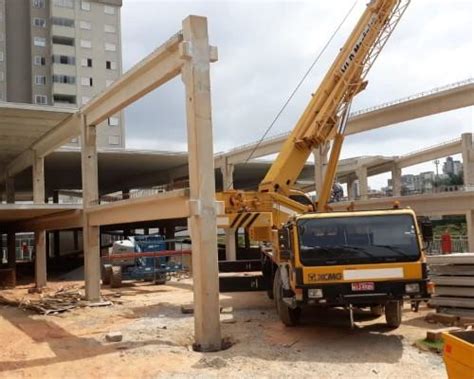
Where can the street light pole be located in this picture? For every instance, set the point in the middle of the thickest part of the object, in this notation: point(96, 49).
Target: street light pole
point(436, 162)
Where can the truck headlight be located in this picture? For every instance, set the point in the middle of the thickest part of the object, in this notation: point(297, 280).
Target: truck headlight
point(412, 288)
point(315, 293)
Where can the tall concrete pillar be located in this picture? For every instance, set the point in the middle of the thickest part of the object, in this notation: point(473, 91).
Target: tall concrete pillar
point(361, 173)
point(10, 189)
point(56, 233)
point(320, 164)
point(467, 149)
point(38, 180)
point(227, 171)
point(470, 230)
point(40, 259)
point(396, 180)
point(230, 244)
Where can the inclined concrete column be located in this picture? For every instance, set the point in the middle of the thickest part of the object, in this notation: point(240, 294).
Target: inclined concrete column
point(467, 149)
point(470, 230)
point(227, 171)
point(320, 164)
point(361, 173)
point(396, 180)
point(40, 259)
point(10, 189)
point(230, 244)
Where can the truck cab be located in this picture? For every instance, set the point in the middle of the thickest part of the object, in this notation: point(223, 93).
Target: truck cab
point(363, 259)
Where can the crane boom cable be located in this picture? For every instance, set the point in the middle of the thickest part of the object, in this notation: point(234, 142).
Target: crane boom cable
point(300, 83)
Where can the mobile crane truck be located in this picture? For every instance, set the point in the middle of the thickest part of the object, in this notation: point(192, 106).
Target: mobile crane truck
point(311, 255)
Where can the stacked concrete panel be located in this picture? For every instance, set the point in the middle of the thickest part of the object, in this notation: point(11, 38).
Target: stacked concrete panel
point(453, 276)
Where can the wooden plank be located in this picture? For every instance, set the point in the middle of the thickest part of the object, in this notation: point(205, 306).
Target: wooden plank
point(458, 258)
point(453, 280)
point(454, 291)
point(462, 302)
point(458, 270)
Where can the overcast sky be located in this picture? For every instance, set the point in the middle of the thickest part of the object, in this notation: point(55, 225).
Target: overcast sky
point(266, 46)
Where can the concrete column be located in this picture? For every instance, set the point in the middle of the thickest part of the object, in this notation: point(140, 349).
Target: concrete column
point(90, 193)
point(470, 230)
point(38, 180)
point(467, 149)
point(230, 245)
point(350, 188)
point(11, 249)
point(40, 259)
point(227, 176)
point(320, 164)
point(397, 180)
point(203, 223)
point(56, 233)
point(10, 189)
point(170, 235)
point(361, 173)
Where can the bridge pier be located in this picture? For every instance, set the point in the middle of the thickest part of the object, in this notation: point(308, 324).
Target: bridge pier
point(361, 173)
point(467, 150)
point(320, 163)
point(396, 180)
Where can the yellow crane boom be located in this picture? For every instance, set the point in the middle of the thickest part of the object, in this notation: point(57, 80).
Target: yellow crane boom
point(326, 114)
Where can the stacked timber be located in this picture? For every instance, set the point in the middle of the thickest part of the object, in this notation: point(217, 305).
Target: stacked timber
point(453, 277)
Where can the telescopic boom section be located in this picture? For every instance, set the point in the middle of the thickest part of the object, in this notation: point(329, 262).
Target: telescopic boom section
point(322, 118)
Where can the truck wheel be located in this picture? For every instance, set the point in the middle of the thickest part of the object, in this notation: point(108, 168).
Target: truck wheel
point(116, 277)
point(376, 310)
point(106, 274)
point(289, 316)
point(393, 313)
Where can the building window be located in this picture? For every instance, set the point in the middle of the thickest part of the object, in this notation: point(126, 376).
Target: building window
point(86, 62)
point(2, 56)
point(41, 99)
point(88, 82)
point(38, 3)
point(85, 25)
point(39, 60)
point(114, 140)
point(109, 28)
point(39, 41)
point(64, 79)
point(85, 5)
point(113, 121)
point(85, 99)
point(86, 43)
point(109, 10)
point(64, 59)
point(40, 80)
point(64, 99)
point(108, 83)
point(61, 40)
point(110, 46)
point(64, 3)
point(39, 22)
point(111, 65)
point(61, 21)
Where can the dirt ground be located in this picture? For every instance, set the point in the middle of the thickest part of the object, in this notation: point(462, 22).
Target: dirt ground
point(157, 340)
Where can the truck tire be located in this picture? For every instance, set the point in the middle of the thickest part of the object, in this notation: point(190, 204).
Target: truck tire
point(106, 274)
point(289, 316)
point(393, 313)
point(116, 277)
point(377, 310)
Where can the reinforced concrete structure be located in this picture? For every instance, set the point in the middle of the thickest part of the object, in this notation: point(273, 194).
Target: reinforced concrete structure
point(61, 53)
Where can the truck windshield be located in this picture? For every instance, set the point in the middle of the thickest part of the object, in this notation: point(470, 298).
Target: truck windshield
point(357, 240)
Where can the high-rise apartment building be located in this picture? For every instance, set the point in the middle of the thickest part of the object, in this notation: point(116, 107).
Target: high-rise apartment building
point(62, 53)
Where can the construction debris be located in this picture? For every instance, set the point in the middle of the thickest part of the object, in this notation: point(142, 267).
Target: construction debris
point(435, 335)
point(453, 276)
point(113, 337)
point(46, 303)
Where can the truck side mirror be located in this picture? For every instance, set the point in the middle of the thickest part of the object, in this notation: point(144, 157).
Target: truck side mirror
point(284, 243)
point(426, 229)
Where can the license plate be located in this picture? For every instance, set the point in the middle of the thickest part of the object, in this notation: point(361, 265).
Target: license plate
point(363, 286)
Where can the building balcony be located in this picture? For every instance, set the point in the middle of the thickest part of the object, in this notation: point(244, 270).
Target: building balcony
point(64, 89)
point(63, 31)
